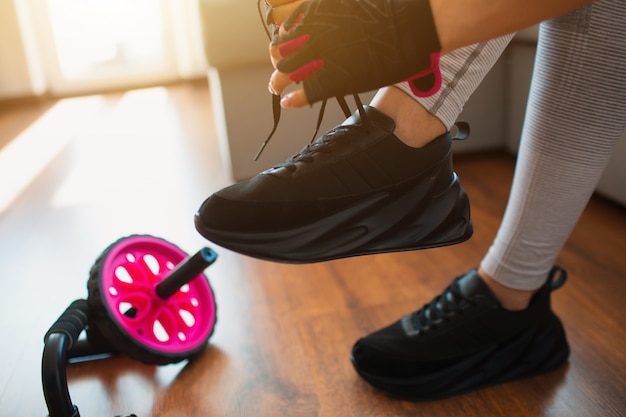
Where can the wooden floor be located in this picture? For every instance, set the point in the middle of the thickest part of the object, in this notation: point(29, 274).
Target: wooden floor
point(90, 170)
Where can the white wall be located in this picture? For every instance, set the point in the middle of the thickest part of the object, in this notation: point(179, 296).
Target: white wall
point(15, 76)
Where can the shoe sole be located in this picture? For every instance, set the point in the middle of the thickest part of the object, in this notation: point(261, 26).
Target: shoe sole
point(532, 353)
point(363, 228)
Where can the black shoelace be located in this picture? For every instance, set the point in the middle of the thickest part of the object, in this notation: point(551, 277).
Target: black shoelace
point(305, 154)
point(323, 145)
point(445, 307)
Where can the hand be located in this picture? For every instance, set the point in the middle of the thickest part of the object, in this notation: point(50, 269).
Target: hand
point(277, 11)
point(340, 47)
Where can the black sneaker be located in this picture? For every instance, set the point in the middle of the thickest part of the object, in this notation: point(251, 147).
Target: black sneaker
point(463, 340)
point(356, 190)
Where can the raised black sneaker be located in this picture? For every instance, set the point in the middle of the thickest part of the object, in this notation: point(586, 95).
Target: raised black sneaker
point(463, 340)
point(356, 190)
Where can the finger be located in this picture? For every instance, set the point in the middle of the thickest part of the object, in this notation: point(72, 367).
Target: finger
point(289, 47)
point(276, 3)
point(274, 55)
point(278, 82)
point(280, 13)
point(295, 99)
point(279, 51)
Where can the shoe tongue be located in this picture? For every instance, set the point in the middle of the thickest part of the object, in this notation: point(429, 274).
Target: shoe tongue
point(471, 286)
point(374, 116)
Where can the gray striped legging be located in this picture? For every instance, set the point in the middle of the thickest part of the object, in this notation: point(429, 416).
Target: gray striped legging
point(575, 115)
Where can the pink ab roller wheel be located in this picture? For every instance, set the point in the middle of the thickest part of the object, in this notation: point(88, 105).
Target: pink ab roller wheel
point(146, 299)
point(149, 304)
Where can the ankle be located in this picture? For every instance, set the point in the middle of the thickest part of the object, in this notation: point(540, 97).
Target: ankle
point(509, 298)
point(415, 126)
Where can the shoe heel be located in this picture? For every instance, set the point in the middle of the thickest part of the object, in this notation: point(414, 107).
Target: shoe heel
point(457, 225)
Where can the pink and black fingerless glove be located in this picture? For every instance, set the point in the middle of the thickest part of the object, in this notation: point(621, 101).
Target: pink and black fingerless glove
point(341, 47)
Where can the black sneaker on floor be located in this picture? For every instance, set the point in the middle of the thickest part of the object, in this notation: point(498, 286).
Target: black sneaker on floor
point(356, 190)
point(463, 340)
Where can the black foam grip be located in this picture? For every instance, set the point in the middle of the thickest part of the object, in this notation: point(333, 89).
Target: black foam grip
point(72, 322)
